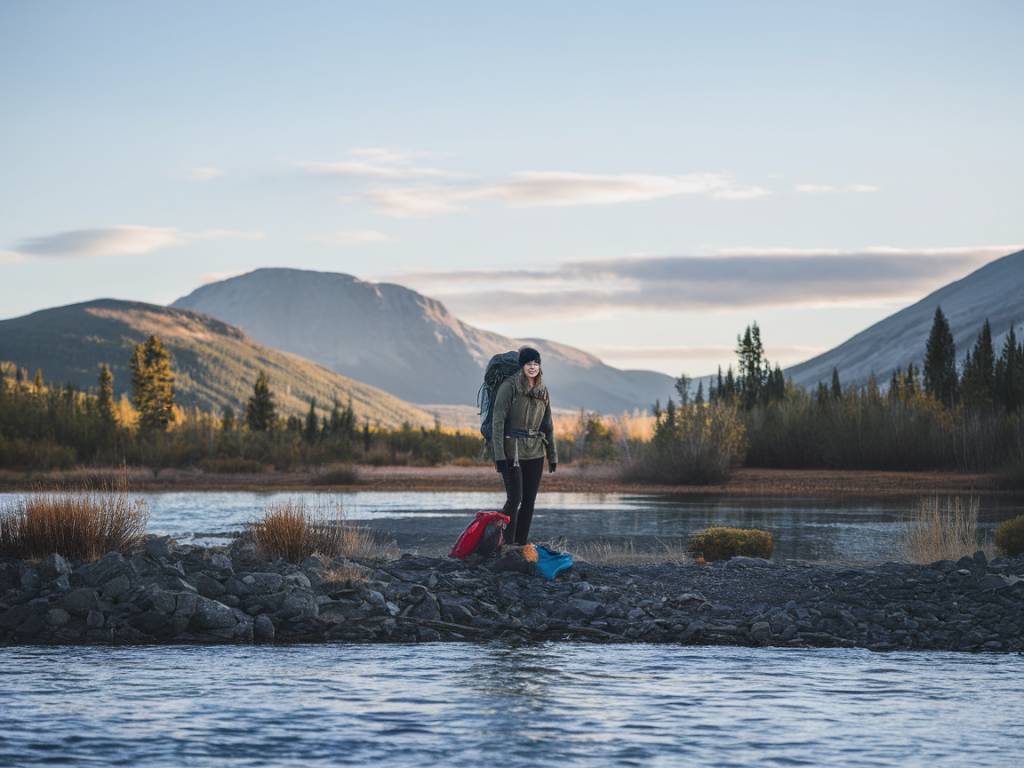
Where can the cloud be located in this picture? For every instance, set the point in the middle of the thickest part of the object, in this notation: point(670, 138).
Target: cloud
point(204, 173)
point(558, 189)
point(379, 164)
point(824, 189)
point(123, 240)
point(719, 281)
point(352, 237)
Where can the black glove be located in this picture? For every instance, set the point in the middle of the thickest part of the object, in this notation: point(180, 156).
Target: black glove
point(551, 466)
point(499, 466)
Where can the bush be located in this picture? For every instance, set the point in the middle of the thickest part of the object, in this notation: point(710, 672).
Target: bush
point(694, 444)
point(293, 531)
point(79, 525)
point(941, 530)
point(339, 474)
point(723, 543)
point(1010, 536)
point(231, 466)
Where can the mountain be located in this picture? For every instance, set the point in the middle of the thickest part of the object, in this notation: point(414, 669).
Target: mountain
point(995, 291)
point(215, 363)
point(404, 342)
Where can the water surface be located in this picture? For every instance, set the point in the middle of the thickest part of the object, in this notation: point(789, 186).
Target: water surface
point(557, 704)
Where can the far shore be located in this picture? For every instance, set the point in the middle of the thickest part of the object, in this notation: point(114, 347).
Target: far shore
point(807, 483)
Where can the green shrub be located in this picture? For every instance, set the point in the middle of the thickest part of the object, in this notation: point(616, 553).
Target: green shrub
point(231, 466)
point(1010, 536)
point(723, 543)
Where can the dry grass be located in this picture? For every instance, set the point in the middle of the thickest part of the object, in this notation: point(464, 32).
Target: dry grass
point(941, 529)
point(626, 553)
point(82, 524)
point(293, 530)
point(344, 575)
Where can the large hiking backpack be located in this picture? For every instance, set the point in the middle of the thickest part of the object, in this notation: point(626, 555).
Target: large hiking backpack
point(483, 536)
point(499, 368)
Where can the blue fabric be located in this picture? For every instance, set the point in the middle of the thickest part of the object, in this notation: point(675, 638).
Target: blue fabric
point(551, 563)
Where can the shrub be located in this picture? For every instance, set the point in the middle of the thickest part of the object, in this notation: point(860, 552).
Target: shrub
point(293, 531)
point(626, 553)
point(339, 474)
point(80, 525)
point(1010, 536)
point(941, 529)
point(723, 543)
point(694, 444)
point(231, 466)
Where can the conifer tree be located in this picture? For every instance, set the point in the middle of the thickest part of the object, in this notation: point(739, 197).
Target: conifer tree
point(105, 398)
point(837, 387)
point(312, 431)
point(152, 384)
point(753, 367)
point(37, 381)
point(682, 387)
point(1009, 373)
point(260, 413)
point(227, 420)
point(978, 384)
point(699, 397)
point(940, 379)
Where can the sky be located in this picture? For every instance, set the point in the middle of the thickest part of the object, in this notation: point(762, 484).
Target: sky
point(640, 180)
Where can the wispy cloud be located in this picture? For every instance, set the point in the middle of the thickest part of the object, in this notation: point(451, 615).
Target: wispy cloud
point(377, 163)
point(825, 189)
point(205, 173)
point(558, 189)
point(722, 280)
point(122, 240)
point(352, 237)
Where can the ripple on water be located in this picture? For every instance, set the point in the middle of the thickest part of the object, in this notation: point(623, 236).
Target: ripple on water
point(465, 704)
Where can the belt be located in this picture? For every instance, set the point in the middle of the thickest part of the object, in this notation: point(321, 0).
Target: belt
point(516, 433)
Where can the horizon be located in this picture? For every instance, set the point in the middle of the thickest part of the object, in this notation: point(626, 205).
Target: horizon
point(641, 186)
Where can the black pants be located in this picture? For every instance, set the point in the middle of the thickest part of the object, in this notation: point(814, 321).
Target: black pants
point(521, 484)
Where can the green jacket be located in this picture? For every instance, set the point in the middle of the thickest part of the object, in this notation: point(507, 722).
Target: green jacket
point(517, 408)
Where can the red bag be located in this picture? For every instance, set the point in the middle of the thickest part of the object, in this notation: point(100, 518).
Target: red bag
point(469, 539)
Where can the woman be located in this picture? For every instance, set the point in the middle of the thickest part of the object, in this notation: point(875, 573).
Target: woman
point(522, 434)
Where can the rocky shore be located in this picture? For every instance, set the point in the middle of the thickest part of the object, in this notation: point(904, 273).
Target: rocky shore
point(168, 593)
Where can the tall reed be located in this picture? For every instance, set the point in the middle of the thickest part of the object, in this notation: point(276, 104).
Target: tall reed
point(941, 529)
point(294, 530)
point(81, 524)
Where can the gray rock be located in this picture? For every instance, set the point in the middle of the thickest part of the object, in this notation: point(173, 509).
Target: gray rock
point(260, 583)
point(116, 587)
point(760, 632)
point(587, 608)
point(53, 566)
point(299, 605)
point(80, 601)
point(210, 614)
point(62, 583)
point(208, 586)
point(94, 620)
point(29, 579)
point(222, 563)
point(427, 608)
point(160, 547)
point(57, 617)
point(298, 579)
point(263, 630)
point(110, 566)
point(992, 581)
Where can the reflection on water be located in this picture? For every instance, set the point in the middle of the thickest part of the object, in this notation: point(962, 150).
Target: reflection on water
point(552, 704)
point(813, 529)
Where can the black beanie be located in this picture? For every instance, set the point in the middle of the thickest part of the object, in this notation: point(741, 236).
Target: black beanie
point(526, 354)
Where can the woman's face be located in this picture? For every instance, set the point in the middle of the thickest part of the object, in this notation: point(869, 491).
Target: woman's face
point(532, 368)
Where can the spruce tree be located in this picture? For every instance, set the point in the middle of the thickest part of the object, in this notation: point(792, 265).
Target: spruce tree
point(105, 398)
point(682, 387)
point(940, 380)
point(312, 431)
point(152, 384)
point(227, 420)
point(260, 413)
point(979, 378)
point(753, 367)
point(699, 397)
point(1009, 374)
point(837, 388)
